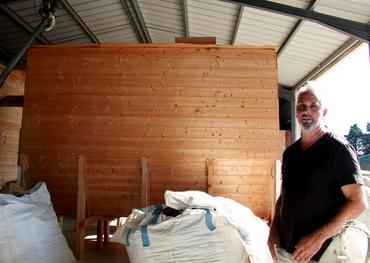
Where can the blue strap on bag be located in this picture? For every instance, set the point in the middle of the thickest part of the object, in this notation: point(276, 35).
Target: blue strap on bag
point(208, 220)
point(144, 229)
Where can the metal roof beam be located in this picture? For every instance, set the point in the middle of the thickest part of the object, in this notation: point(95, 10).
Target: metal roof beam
point(237, 24)
point(295, 30)
point(133, 22)
point(23, 24)
point(79, 21)
point(185, 14)
point(345, 49)
point(133, 12)
point(355, 29)
point(140, 18)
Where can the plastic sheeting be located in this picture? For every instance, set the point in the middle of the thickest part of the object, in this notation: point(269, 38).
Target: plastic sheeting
point(29, 230)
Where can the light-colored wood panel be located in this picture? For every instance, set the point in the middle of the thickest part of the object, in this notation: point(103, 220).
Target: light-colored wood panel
point(168, 143)
point(242, 179)
point(11, 114)
point(85, 101)
point(244, 170)
point(8, 162)
point(175, 105)
point(167, 63)
point(119, 89)
point(118, 84)
point(238, 189)
point(14, 83)
point(127, 179)
point(244, 162)
point(163, 132)
point(133, 72)
point(73, 54)
point(32, 120)
point(189, 173)
point(157, 111)
point(113, 151)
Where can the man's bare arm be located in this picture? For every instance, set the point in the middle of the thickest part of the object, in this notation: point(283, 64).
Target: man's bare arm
point(356, 203)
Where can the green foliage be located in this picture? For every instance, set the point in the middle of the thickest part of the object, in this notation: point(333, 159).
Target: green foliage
point(359, 139)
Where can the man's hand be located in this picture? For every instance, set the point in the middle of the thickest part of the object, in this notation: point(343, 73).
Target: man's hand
point(308, 246)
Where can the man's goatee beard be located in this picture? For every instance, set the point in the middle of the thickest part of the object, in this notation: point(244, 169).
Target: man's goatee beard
point(309, 126)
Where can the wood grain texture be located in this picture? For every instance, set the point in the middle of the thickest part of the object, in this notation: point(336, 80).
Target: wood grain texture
point(177, 105)
point(10, 124)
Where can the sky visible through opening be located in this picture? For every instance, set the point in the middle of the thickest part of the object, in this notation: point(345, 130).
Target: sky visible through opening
point(346, 91)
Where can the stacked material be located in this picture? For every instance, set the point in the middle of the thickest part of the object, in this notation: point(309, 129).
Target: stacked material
point(29, 229)
point(195, 227)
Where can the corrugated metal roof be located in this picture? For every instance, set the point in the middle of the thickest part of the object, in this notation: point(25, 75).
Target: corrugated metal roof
point(263, 28)
point(305, 48)
point(212, 18)
point(164, 19)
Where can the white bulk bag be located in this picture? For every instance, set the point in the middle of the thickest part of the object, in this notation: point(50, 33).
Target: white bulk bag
point(196, 235)
point(252, 229)
point(29, 230)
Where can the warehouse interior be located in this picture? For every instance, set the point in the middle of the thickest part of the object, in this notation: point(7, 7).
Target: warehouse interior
point(114, 102)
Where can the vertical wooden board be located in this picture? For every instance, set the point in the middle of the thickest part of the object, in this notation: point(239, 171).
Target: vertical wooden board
point(169, 102)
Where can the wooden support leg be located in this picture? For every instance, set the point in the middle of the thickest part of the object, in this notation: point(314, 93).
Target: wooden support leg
point(106, 232)
point(80, 240)
point(99, 234)
point(81, 208)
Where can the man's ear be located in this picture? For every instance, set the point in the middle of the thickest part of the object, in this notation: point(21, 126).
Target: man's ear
point(325, 111)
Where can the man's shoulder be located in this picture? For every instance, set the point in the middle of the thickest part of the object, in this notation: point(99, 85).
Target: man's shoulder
point(337, 139)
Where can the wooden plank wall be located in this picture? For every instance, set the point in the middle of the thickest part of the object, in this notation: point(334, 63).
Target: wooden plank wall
point(247, 181)
point(10, 124)
point(178, 105)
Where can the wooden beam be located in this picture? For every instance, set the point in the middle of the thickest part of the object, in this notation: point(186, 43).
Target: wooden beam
point(196, 40)
point(81, 207)
point(145, 185)
point(211, 163)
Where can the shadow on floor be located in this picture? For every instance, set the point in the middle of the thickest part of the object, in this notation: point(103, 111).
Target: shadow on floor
point(111, 253)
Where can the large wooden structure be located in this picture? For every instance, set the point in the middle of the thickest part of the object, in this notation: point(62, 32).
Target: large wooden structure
point(10, 124)
point(177, 105)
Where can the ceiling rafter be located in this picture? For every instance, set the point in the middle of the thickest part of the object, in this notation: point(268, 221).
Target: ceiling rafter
point(136, 18)
point(133, 22)
point(22, 23)
point(79, 21)
point(140, 18)
point(237, 24)
point(348, 27)
point(185, 14)
point(295, 30)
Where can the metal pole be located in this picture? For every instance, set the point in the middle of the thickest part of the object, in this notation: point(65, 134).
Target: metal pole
point(20, 53)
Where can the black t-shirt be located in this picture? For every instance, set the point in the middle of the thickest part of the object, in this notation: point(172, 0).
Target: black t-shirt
point(312, 181)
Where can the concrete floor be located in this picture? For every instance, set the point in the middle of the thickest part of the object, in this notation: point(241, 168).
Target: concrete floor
point(112, 253)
